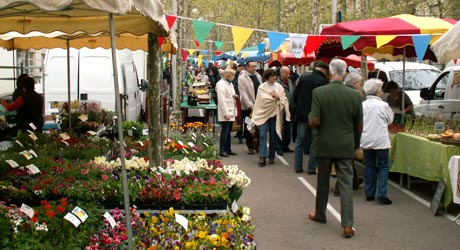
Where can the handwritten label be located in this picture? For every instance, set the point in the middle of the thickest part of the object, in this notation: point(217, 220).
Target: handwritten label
point(181, 220)
point(32, 126)
point(27, 210)
point(33, 169)
point(191, 144)
point(33, 153)
point(66, 143)
point(110, 219)
point(19, 143)
point(83, 118)
point(64, 136)
point(12, 163)
point(33, 137)
point(90, 132)
point(26, 154)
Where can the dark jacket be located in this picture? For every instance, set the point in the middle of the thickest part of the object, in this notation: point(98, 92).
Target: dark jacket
point(31, 111)
point(303, 93)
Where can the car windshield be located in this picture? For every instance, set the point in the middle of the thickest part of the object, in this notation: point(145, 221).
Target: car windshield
point(416, 79)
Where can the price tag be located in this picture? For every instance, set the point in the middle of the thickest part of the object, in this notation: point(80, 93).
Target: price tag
point(234, 206)
point(110, 219)
point(12, 163)
point(206, 144)
point(80, 213)
point(19, 143)
point(90, 132)
point(185, 151)
point(83, 118)
point(33, 169)
point(180, 142)
point(33, 153)
point(32, 126)
point(27, 210)
point(33, 137)
point(191, 144)
point(145, 131)
point(30, 131)
point(181, 220)
point(64, 136)
point(66, 143)
point(26, 154)
point(73, 219)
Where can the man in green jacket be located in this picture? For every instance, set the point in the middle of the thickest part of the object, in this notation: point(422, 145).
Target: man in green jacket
point(337, 114)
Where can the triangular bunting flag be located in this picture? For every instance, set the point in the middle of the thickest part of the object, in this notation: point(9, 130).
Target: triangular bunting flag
point(382, 40)
point(161, 40)
point(347, 41)
point(297, 43)
point(184, 55)
point(205, 62)
point(202, 29)
point(191, 51)
point(261, 48)
point(214, 58)
point(245, 55)
point(171, 20)
point(240, 36)
point(218, 44)
point(217, 52)
point(276, 39)
point(421, 43)
point(313, 43)
point(197, 44)
point(455, 61)
point(204, 52)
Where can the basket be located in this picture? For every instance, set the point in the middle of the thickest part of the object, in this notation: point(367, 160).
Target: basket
point(449, 141)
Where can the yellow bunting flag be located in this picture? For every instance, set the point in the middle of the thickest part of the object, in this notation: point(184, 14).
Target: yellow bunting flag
point(240, 36)
point(245, 55)
point(200, 59)
point(191, 51)
point(382, 40)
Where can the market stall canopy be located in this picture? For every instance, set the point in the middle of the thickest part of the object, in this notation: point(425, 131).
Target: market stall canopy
point(383, 36)
point(286, 58)
point(137, 17)
point(355, 62)
point(447, 47)
point(78, 40)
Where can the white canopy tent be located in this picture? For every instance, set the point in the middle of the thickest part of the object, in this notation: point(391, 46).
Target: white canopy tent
point(138, 17)
point(447, 47)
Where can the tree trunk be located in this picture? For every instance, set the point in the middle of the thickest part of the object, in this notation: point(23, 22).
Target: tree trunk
point(315, 17)
point(153, 101)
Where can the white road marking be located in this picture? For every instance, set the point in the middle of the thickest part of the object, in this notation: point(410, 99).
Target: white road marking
point(329, 206)
point(282, 160)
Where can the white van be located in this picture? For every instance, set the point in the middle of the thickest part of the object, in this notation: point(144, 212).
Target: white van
point(417, 75)
point(443, 97)
point(91, 78)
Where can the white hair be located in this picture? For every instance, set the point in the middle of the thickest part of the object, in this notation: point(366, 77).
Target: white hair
point(338, 67)
point(372, 86)
point(352, 78)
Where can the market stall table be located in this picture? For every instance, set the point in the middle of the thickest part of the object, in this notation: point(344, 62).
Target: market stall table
point(209, 109)
point(419, 157)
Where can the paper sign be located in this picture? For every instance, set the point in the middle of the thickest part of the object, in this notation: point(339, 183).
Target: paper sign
point(181, 220)
point(30, 131)
point(110, 219)
point(73, 219)
point(234, 206)
point(180, 142)
point(33, 153)
point(32, 126)
point(246, 213)
point(204, 143)
point(19, 143)
point(27, 210)
point(12, 163)
point(193, 134)
point(26, 154)
point(185, 151)
point(80, 213)
point(33, 169)
point(90, 132)
point(145, 131)
point(33, 137)
point(66, 143)
point(191, 144)
point(64, 136)
point(83, 118)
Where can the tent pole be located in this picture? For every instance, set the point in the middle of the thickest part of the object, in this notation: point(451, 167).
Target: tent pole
point(69, 105)
point(403, 116)
point(120, 134)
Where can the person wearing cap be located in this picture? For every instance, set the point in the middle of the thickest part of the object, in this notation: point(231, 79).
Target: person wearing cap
point(302, 99)
point(29, 106)
point(337, 115)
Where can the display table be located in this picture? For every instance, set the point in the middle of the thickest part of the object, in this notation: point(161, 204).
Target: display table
point(419, 157)
point(209, 108)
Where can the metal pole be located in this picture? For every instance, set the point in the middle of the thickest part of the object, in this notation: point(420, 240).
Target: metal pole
point(120, 133)
point(333, 11)
point(403, 94)
point(174, 60)
point(69, 104)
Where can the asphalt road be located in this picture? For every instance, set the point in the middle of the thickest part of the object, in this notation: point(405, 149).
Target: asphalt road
point(280, 201)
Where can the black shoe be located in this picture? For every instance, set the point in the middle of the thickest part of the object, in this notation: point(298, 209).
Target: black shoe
point(299, 171)
point(231, 153)
point(223, 154)
point(371, 198)
point(288, 150)
point(311, 172)
point(280, 152)
point(357, 183)
point(384, 201)
point(336, 192)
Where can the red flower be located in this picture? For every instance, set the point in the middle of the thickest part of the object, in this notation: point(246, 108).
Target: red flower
point(50, 214)
point(47, 206)
point(55, 191)
point(43, 202)
point(60, 209)
point(34, 219)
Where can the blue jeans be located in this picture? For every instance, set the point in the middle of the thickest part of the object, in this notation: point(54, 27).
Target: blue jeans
point(312, 161)
point(225, 137)
point(269, 128)
point(300, 145)
point(373, 160)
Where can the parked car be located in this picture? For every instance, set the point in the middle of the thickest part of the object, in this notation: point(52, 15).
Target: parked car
point(443, 97)
point(417, 76)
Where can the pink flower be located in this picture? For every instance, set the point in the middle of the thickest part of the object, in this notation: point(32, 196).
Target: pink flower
point(105, 177)
point(85, 171)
